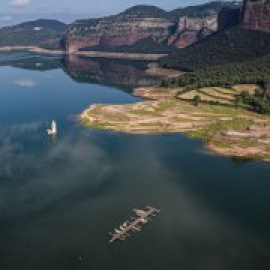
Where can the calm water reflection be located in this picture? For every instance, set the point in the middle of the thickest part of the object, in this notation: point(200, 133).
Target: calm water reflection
point(59, 199)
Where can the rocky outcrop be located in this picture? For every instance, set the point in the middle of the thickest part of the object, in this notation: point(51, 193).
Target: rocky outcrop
point(141, 23)
point(190, 30)
point(256, 15)
point(123, 30)
point(128, 30)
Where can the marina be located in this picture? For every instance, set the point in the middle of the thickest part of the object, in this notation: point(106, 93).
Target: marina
point(134, 224)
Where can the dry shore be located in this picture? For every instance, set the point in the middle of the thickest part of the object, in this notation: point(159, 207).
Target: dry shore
point(162, 72)
point(226, 130)
point(120, 55)
point(90, 54)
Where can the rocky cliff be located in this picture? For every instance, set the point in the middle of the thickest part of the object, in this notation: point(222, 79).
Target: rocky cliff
point(142, 27)
point(256, 15)
point(117, 31)
point(179, 28)
point(190, 30)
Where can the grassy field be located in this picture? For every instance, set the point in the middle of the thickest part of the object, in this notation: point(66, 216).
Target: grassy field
point(219, 95)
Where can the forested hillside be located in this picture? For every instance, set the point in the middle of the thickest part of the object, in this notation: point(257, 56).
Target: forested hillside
point(32, 33)
point(230, 46)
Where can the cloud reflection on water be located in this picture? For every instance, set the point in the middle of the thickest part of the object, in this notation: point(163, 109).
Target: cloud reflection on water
point(25, 82)
point(59, 201)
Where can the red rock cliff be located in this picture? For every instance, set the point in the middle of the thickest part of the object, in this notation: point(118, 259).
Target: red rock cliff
point(116, 31)
point(190, 30)
point(256, 15)
point(179, 28)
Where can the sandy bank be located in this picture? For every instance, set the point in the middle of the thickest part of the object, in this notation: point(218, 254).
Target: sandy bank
point(90, 54)
point(215, 124)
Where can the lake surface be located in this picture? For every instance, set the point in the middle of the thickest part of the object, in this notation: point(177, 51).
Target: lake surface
point(60, 197)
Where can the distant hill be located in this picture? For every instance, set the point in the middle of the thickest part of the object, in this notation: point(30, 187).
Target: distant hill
point(145, 11)
point(46, 24)
point(204, 10)
point(32, 33)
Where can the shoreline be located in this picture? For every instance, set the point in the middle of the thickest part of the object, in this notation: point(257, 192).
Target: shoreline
point(225, 130)
point(120, 55)
point(90, 54)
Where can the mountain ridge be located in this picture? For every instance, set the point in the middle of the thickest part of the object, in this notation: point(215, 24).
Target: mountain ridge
point(130, 29)
point(178, 28)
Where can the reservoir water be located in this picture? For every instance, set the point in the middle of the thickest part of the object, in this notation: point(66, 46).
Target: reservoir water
point(60, 197)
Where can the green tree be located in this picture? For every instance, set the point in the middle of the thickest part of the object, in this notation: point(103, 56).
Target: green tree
point(196, 100)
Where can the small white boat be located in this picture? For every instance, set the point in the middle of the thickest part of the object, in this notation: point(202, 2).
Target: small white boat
point(53, 129)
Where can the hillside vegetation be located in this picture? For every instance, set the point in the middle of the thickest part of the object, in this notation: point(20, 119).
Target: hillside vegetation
point(253, 71)
point(235, 45)
point(31, 33)
point(234, 56)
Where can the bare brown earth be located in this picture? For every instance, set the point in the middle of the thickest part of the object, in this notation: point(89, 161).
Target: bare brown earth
point(162, 72)
point(226, 130)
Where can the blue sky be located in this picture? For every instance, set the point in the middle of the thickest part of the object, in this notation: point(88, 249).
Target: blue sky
point(97, 7)
point(69, 9)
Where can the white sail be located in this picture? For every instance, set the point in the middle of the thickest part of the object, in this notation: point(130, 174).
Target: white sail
point(53, 129)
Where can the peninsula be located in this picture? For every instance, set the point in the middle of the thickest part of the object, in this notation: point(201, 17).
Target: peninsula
point(226, 129)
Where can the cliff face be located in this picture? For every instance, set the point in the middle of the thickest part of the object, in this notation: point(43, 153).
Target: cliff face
point(116, 31)
point(141, 23)
point(256, 15)
point(125, 31)
point(190, 30)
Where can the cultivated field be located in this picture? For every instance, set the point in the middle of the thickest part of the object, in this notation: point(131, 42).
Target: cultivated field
point(220, 95)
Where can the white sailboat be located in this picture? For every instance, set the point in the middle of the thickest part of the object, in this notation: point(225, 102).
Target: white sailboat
point(53, 129)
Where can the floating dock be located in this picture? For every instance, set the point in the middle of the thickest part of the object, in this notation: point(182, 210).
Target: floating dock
point(134, 224)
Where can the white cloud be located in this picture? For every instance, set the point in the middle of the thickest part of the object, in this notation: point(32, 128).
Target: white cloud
point(25, 82)
point(20, 3)
point(6, 18)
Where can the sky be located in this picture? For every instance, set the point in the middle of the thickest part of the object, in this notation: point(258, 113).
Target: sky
point(14, 11)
